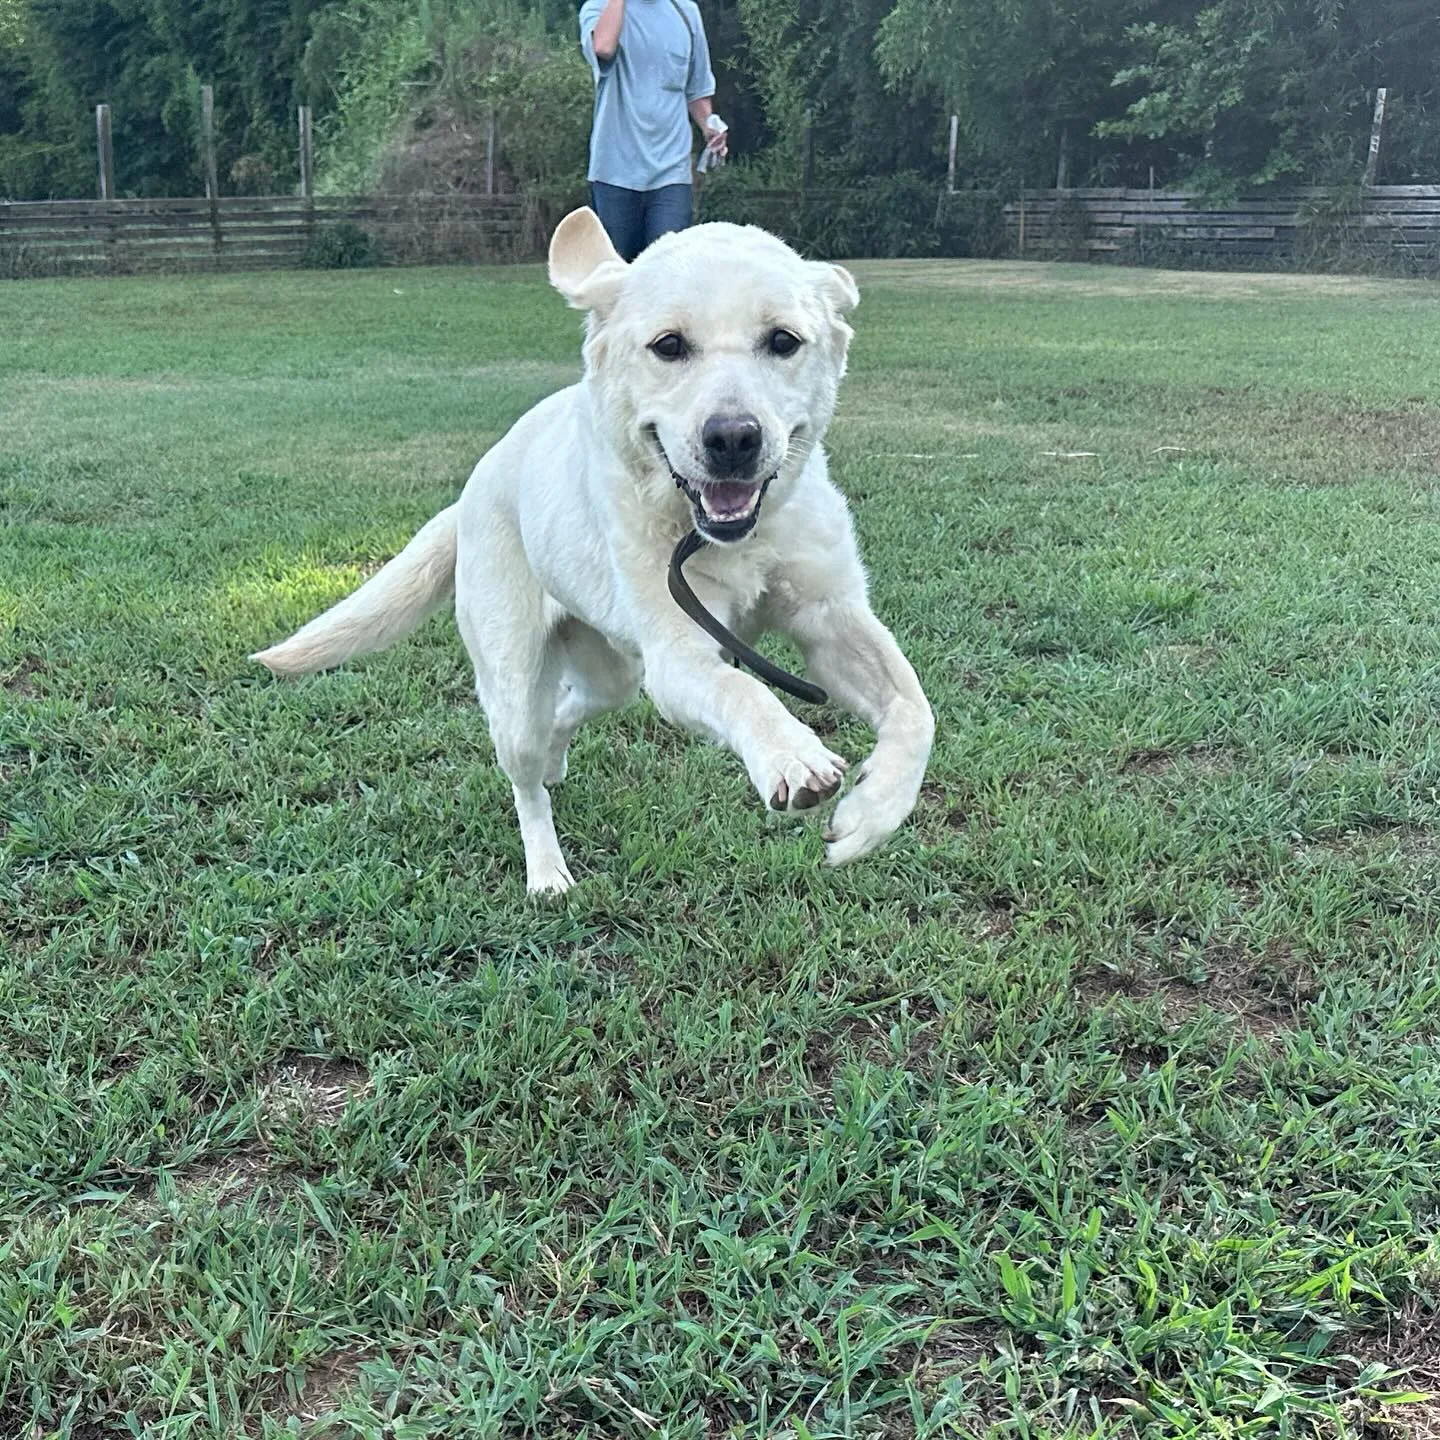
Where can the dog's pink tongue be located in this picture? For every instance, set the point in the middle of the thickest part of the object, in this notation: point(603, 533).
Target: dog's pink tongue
point(724, 496)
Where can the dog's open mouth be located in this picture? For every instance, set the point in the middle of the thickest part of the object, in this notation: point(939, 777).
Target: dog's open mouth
point(725, 510)
point(729, 501)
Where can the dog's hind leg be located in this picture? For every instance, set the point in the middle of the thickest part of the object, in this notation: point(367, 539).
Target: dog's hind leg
point(596, 677)
point(508, 623)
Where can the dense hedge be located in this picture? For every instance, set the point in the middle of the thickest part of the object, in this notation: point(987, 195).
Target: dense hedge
point(903, 215)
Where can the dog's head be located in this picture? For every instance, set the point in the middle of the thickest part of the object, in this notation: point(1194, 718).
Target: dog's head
point(714, 358)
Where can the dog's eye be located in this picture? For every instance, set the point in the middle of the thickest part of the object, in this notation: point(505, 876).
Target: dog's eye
point(783, 343)
point(670, 347)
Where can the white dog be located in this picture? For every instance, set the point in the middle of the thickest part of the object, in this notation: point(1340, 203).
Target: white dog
point(711, 369)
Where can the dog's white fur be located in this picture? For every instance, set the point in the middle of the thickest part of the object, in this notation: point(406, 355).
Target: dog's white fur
point(557, 550)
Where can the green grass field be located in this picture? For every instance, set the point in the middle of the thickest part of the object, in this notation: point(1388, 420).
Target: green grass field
point(1105, 1101)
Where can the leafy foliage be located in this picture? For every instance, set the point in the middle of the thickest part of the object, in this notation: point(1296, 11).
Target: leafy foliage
point(891, 217)
point(343, 246)
point(1254, 91)
point(1227, 94)
point(415, 77)
point(1027, 78)
point(12, 18)
point(1231, 94)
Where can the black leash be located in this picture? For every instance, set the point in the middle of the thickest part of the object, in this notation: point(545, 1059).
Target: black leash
point(686, 599)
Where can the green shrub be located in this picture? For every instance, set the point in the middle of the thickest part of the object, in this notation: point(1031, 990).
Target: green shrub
point(419, 82)
point(898, 216)
point(972, 223)
point(37, 169)
point(1070, 229)
point(342, 246)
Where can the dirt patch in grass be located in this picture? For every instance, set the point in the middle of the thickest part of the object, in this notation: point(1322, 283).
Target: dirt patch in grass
point(326, 1380)
point(1197, 760)
point(226, 1179)
point(997, 611)
point(234, 1178)
point(23, 936)
point(311, 1394)
point(1381, 841)
point(1414, 844)
point(1319, 440)
point(1258, 992)
point(20, 679)
point(312, 1089)
point(1419, 847)
point(1412, 1347)
point(941, 814)
point(119, 1066)
point(866, 1038)
point(953, 1349)
point(996, 923)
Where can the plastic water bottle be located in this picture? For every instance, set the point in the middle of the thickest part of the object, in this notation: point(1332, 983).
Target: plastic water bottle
point(709, 160)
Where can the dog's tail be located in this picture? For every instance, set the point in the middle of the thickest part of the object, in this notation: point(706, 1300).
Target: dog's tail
point(386, 608)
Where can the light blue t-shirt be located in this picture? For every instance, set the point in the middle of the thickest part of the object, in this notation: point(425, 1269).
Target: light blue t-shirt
point(641, 134)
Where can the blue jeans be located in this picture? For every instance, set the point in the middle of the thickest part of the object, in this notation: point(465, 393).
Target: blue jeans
point(634, 218)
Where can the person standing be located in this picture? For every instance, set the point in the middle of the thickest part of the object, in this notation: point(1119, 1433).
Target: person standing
point(652, 74)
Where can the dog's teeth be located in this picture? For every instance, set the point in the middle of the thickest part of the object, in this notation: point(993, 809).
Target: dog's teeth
point(733, 512)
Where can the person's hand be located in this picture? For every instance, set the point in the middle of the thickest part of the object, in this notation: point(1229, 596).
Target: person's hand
point(717, 137)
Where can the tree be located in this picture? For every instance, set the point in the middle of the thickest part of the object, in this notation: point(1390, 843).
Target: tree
point(420, 80)
point(1029, 79)
point(1249, 92)
point(813, 62)
point(147, 59)
point(1228, 94)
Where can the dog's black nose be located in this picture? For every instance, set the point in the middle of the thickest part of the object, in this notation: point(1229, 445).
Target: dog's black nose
point(732, 445)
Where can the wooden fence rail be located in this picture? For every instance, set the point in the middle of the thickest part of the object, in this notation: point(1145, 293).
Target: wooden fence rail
point(236, 232)
point(1401, 219)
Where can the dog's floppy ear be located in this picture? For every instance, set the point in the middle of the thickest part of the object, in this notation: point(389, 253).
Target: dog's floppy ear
point(838, 286)
point(841, 294)
point(584, 266)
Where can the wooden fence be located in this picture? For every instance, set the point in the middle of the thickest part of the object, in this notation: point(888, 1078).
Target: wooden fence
point(1396, 223)
point(1401, 222)
point(243, 233)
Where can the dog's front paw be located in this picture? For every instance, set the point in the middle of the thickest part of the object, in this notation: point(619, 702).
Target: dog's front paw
point(548, 875)
point(803, 779)
point(867, 817)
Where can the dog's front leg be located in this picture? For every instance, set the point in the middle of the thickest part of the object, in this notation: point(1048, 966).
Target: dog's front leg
point(850, 653)
point(787, 763)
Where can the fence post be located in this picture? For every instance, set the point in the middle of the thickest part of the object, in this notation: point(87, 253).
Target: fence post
point(307, 154)
point(105, 152)
point(1021, 246)
point(490, 152)
point(1062, 166)
point(1372, 160)
point(1142, 231)
point(307, 170)
point(950, 167)
point(212, 175)
point(207, 141)
point(105, 157)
